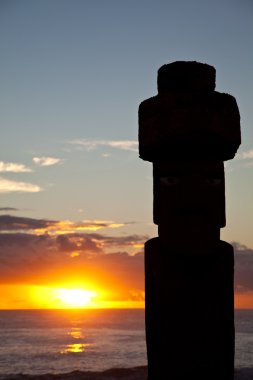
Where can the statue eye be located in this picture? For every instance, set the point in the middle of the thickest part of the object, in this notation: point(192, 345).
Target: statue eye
point(169, 181)
point(213, 181)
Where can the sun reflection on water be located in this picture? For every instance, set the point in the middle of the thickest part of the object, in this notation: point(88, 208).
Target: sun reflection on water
point(75, 348)
point(76, 333)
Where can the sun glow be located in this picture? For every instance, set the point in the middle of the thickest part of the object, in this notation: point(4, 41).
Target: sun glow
point(66, 296)
point(74, 298)
point(63, 297)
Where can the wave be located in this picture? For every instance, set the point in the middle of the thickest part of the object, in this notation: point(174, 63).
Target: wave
point(137, 373)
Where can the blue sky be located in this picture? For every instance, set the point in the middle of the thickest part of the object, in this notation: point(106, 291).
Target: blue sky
point(72, 76)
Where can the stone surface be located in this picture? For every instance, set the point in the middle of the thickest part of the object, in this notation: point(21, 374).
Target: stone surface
point(186, 76)
point(189, 195)
point(189, 313)
point(189, 125)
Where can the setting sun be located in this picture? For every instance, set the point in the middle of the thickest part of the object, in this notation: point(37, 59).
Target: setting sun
point(88, 296)
point(74, 298)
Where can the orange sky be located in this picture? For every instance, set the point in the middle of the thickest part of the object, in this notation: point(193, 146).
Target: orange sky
point(39, 257)
point(43, 261)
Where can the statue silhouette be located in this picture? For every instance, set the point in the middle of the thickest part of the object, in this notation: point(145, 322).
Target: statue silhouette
point(187, 130)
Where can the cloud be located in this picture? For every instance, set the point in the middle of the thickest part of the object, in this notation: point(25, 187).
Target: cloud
point(13, 167)
point(47, 161)
point(58, 259)
point(114, 263)
point(248, 154)
point(9, 223)
point(244, 160)
point(90, 144)
point(54, 227)
point(4, 209)
point(9, 186)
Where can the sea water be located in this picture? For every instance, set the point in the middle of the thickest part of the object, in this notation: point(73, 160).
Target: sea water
point(57, 341)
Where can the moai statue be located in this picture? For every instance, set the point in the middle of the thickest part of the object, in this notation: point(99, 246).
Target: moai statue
point(187, 131)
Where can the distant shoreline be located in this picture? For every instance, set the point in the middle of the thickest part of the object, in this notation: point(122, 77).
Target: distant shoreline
point(137, 373)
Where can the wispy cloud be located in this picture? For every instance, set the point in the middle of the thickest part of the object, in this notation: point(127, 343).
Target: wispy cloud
point(47, 161)
point(245, 159)
point(248, 154)
point(65, 226)
point(9, 186)
point(90, 144)
point(10, 223)
point(6, 209)
point(13, 167)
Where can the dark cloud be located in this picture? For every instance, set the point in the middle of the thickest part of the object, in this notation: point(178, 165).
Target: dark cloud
point(40, 259)
point(6, 209)
point(15, 223)
point(78, 243)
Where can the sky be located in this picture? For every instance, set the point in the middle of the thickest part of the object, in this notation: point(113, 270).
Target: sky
point(75, 199)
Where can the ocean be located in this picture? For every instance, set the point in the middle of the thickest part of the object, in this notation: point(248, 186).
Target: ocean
point(36, 342)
